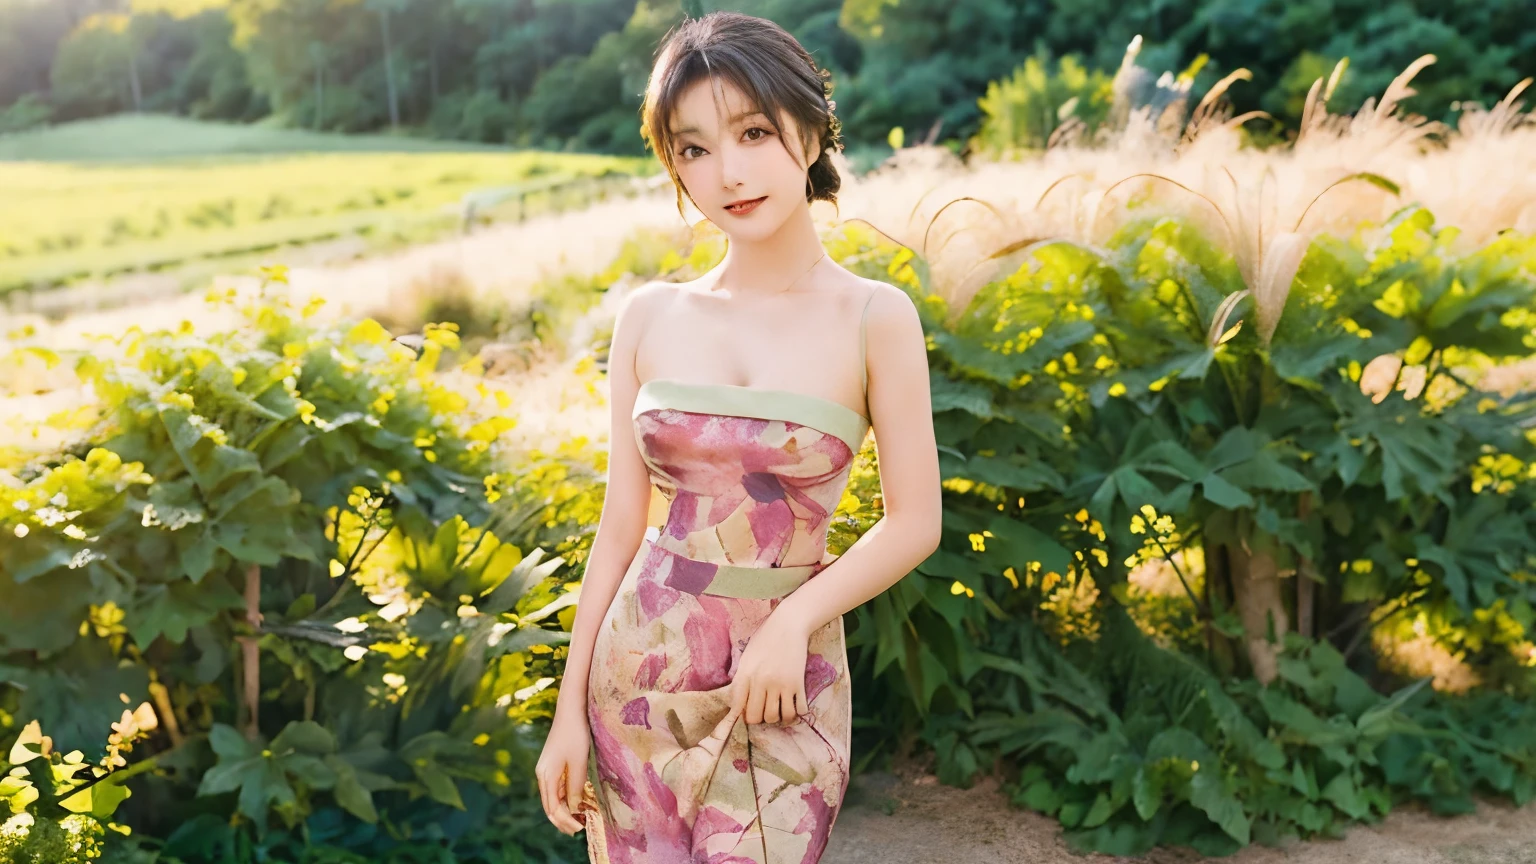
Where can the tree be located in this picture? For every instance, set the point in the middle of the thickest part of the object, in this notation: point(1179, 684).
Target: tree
point(96, 71)
point(385, 8)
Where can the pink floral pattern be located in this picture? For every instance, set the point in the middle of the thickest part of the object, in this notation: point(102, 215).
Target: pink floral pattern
point(666, 785)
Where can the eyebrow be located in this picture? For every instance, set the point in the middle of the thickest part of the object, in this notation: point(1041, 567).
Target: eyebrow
point(733, 119)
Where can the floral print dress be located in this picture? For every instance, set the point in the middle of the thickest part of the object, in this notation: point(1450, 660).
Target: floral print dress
point(752, 477)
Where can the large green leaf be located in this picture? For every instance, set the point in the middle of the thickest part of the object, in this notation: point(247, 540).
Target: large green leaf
point(1209, 793)
point(263, 773)
point(1017, 543)
point(172, 609)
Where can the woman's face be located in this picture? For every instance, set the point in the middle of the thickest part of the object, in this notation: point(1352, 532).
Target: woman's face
point(729, 153)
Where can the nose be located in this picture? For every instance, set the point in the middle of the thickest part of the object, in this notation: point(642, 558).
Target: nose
point(733, 169)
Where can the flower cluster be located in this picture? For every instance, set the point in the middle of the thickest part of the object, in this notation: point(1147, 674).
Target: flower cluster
point(1164, 538)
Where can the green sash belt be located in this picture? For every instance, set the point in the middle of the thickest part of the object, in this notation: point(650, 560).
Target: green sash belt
point(758, 583)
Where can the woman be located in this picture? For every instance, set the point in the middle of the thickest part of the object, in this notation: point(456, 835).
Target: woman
point(705, 712)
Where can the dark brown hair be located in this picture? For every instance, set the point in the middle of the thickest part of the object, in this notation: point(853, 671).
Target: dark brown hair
point(768, 65)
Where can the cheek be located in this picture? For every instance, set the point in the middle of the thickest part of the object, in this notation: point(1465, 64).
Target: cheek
point(691, 177)
point(783, 168)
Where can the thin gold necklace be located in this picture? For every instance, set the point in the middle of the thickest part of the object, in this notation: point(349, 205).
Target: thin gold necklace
point(801, 276)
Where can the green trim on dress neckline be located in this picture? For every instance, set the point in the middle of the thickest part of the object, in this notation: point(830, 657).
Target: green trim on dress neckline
point(739, 400)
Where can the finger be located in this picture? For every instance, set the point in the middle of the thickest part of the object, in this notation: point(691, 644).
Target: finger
point(802, 705)
point(573, 796)
point(771, 707)
point(564, 804)
point(755, 702)
point(549, 812)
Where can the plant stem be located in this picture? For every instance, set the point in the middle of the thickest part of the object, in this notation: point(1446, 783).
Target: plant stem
point(1200, 608)
point(251, 659)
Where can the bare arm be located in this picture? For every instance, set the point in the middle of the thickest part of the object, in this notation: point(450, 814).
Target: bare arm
point(901, 411)
point(621, 526)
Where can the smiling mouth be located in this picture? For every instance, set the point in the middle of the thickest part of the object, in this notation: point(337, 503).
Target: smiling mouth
point(745, 206)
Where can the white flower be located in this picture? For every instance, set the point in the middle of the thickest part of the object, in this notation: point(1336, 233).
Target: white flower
point(351, 625)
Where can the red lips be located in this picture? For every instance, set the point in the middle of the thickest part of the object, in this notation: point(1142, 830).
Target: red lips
point(745, 205)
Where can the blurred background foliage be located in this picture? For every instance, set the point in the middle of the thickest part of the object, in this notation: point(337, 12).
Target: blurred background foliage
point(569, 76)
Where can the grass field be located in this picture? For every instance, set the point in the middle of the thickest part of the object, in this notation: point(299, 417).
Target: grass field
point(144, 137)
point(102, 197)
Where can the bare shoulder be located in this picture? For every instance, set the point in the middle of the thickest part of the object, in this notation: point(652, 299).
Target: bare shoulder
point(891, 310)
point(641, 303)
point(650, 294)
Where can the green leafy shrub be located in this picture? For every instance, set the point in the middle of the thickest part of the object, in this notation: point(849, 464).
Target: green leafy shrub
point(1162, 402)
point(1025, 109)
point(291, 540)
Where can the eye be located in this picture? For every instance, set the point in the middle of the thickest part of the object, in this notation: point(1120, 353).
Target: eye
point(684, 152)
point(758, 129)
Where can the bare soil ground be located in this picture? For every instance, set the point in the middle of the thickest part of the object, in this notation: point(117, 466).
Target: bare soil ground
point(907, 817)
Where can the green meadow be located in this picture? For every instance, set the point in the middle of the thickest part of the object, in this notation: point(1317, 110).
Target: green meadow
point(102, 197)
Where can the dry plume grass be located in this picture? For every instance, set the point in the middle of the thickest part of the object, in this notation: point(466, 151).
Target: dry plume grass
point(974, 223)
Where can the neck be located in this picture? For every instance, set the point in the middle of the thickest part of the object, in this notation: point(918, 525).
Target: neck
point(766, 266)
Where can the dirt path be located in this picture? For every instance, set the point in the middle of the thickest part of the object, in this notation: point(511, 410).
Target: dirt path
point(912, 819)
point(505, 258)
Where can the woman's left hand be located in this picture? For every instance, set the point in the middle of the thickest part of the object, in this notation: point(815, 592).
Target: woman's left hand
point(769, 684)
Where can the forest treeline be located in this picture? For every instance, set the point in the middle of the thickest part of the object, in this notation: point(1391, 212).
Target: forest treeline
point(569, 74)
